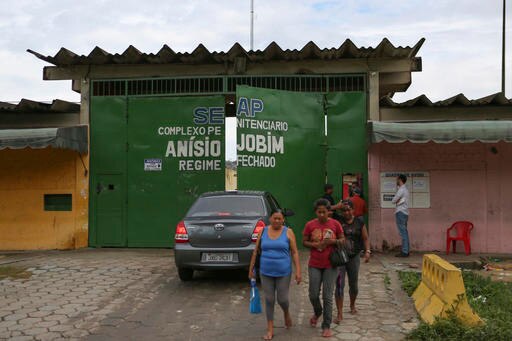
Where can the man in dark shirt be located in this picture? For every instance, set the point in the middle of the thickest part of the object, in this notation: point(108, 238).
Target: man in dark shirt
point(328, 190)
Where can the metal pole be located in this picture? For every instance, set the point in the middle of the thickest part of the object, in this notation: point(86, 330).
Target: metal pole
point(503, 52)
point(252, 24)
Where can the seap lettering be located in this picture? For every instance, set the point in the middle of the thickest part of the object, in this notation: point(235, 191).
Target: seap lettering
point(249, 107)
point(209, 115)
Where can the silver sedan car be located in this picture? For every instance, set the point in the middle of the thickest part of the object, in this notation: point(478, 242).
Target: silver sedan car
point(220, 231)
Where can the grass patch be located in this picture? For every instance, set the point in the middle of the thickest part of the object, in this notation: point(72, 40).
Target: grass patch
point(14, 272)
point(387, 281)
point(491, 300)
point(410, 281)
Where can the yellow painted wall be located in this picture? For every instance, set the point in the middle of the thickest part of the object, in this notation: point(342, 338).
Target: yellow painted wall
point(25, 176)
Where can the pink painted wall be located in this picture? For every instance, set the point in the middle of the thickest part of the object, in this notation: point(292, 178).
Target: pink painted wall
point(467, 182)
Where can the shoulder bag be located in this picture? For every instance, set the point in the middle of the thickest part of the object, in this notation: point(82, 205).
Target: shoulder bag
point(339, 255)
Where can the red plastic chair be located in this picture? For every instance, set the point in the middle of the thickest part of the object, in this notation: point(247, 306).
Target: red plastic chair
point(463, 228)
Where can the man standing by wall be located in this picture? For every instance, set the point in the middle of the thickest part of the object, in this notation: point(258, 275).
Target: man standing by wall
point(401, 200)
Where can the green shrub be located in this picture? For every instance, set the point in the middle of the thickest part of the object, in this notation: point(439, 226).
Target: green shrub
point(492, 301)
point(410, 281)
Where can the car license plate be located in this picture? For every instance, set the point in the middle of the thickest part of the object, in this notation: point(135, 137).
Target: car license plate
point(217, 257)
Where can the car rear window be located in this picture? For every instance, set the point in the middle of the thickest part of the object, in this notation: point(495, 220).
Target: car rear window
point(227, 206)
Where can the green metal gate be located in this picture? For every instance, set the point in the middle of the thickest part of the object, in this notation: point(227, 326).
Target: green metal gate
point(150, 159)
point(149, 137)
point(347, 138)
point(283, 146)
point(107, 184)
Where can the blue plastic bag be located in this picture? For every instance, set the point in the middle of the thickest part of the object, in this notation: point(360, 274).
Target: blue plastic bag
point(255, 303)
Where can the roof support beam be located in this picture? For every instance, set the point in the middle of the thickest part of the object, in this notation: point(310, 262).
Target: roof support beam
point(108, 71)
point(395, 73)
point(394, 82)
point(373, 96)
point(84, 99)
point(76, 85)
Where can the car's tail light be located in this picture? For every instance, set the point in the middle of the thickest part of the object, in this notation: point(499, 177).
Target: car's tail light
point(260, 225)
point(181, 235)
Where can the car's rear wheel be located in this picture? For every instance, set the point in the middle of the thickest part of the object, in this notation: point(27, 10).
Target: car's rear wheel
point(185, 274)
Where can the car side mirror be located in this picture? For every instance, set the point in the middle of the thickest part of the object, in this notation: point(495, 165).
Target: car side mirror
point(288, 213)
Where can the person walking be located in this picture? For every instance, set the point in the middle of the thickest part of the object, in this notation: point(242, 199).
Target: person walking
point(360, 208)
point(320, 235)
point(356, 235)
point(401, 200)
point(277, 247)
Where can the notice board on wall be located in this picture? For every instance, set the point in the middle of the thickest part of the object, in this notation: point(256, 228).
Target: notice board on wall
point(418, 184)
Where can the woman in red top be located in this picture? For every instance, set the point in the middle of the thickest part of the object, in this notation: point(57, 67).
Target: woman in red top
point(320, 236)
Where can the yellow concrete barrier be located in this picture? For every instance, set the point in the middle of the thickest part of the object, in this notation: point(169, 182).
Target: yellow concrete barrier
point(441, 290)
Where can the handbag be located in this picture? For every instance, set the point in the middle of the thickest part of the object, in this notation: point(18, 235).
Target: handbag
point(339, 256)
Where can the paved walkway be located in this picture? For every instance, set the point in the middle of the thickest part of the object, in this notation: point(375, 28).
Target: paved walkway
point(110, 294)
point(70, 293)
point(385, 311)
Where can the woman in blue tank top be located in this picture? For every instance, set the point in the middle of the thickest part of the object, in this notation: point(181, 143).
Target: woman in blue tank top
point(278, 247)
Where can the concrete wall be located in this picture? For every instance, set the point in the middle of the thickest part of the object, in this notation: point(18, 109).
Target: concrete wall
point(25, 176)
point(467, 181)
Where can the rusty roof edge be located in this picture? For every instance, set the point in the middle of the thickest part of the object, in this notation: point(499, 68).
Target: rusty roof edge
point(416, 48)
point(42, 57)
point(30, 106)
point(7, 106)
point(385, 49)
point(496, 99)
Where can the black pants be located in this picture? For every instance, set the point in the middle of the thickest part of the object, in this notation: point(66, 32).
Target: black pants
point(351, 269)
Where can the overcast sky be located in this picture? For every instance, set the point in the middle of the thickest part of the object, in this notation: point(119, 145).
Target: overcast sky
point(462, 52)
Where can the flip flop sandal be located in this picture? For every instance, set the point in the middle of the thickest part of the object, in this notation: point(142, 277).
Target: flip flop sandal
point(313, 321)
point(327, 333)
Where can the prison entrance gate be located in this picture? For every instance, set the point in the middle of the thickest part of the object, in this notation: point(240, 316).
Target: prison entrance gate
point(150, 159)
point(284, 147)
point(157, 144)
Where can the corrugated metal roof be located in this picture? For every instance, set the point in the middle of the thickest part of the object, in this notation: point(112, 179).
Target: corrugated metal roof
point(442, 132)
point(201, 55)
point(457, 100)
point(73, 138)
point(28, 106)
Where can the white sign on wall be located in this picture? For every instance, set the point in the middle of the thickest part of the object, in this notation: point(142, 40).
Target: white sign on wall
point(418, 184)
point(152, 165)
